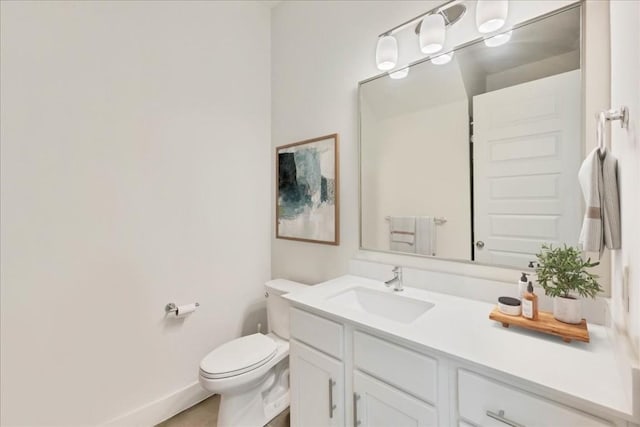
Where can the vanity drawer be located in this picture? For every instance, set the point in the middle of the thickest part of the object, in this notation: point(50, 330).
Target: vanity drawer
point(318, 332)
point(478, 396)
point(405, 369)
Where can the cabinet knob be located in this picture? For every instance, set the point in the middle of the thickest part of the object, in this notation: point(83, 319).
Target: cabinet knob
point(479, 244)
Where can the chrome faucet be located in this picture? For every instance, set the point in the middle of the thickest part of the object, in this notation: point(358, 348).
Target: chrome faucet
point(397, 279)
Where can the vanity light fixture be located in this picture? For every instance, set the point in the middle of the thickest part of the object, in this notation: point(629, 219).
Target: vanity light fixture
point(491, 15)
point(432, 33)
point(386, 52)
point(430, 27)
point(445, 58)
point(399, 74)
point(498, 40)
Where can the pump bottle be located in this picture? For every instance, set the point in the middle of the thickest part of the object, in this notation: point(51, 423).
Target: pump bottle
point(530, 303)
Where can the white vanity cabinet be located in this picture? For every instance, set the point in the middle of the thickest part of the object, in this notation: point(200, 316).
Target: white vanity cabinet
point(376, 403)
point(317, 387)
point(484, 401)
point(387, 387)
point(343, 376)
point(317, 380)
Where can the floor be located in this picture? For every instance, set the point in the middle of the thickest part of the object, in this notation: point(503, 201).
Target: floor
point(205, 414)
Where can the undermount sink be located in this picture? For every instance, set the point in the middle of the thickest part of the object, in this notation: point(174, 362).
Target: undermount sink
point(384, 304)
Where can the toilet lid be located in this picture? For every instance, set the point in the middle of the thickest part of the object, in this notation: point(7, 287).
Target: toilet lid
point(238, 356)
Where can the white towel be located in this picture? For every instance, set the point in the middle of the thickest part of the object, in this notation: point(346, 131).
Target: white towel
point(402, 238)
point(406, 224)
point(598, 177)
point(610, 202)
point(425, 235)
point(590, 176)
point(402, 231)
point(402, 243)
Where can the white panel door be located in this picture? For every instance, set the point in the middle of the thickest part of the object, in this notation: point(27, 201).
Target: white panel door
point(527, 149)
point(377, 404)
point(317, 388)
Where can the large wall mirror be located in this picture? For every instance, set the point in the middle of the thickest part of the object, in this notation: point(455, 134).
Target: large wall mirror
point(477, 159)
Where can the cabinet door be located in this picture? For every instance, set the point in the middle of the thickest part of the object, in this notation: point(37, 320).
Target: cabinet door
point(317, 388)
point(379, 404)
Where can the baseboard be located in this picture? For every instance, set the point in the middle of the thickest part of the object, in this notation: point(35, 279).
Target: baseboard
point(163, 408)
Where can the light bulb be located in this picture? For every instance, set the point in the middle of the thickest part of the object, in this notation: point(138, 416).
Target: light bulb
point(498, 40)
point(386, 53)
point(399, 74)
point(432, 33)
point(491, 15)
point(445, 58)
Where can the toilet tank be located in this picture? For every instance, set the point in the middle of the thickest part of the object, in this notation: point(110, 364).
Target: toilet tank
point(278, 307)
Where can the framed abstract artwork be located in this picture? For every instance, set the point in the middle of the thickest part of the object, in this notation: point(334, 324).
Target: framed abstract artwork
point(307, 204)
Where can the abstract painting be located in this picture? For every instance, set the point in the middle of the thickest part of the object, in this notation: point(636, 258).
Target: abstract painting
point(307, 191)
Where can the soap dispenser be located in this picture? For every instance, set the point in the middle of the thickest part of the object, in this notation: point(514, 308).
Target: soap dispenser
point(522, 285)
point(530, 303)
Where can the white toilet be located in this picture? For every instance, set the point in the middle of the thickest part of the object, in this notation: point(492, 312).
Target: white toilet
point(251, 373)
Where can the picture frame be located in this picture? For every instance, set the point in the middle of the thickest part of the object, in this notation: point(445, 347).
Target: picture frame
point(307, 191)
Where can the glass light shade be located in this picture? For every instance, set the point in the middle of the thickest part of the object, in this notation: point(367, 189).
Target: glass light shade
point(491, 14)
point(386, 53)
point(432, 33)
point(445, 58)
point(399, 74)
point(498, 40)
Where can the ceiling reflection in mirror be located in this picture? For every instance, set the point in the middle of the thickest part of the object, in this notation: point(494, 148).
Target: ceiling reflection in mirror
point(476, 158)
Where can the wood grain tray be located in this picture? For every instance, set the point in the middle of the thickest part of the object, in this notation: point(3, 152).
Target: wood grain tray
point(546, 324)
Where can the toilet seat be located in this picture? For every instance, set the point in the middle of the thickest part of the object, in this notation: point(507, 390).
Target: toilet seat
point(236, 357)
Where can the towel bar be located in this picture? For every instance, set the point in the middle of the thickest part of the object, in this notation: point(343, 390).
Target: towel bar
point(438, 220)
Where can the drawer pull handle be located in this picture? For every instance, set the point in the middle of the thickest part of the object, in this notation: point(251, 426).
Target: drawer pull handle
point(356, 421)
point(500, 417)
point(332, 407)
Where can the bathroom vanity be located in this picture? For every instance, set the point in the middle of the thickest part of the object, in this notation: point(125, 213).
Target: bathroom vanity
point(362, 354)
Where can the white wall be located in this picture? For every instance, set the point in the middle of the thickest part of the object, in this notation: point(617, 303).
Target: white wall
point(420, 148)
point(134, 155)
point(625, 90)
point(320, 51)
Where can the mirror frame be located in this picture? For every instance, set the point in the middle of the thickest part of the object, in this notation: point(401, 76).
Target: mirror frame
point(579, 4)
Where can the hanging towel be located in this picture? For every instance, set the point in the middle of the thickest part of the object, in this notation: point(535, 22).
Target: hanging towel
point(610, 202)
point(402, 231)
point(590, 177)
point(405, 224)
point(598, 177)
point(403, 238)
point(426, 235)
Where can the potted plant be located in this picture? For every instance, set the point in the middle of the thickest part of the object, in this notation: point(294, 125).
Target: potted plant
point(562, 272)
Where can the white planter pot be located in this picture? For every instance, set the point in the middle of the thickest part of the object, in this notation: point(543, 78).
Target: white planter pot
point(567, 310)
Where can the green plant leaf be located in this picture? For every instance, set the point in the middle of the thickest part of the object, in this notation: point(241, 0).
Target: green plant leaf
point(563, 271)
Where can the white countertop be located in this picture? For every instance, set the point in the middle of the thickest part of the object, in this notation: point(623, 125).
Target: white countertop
point(461, 328)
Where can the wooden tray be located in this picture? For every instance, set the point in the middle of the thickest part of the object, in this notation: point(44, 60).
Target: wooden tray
point(545, 323)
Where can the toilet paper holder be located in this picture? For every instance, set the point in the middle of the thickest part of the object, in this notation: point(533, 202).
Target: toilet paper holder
point(173, 308)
